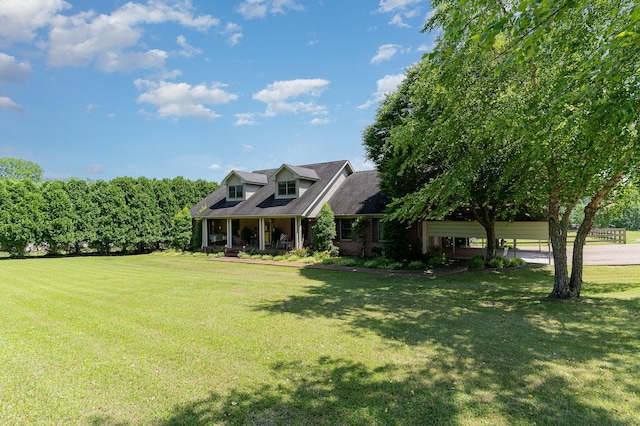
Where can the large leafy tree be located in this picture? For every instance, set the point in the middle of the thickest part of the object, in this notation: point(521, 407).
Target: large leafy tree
point(574, 65)
point(21, 215)
point(17, 168)
point(58, 209)
point(85, 213)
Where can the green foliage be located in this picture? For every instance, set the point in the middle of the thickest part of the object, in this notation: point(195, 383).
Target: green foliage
point(245, 234)
point(16, 168)
point(396, 245)
point(181, 230)
point(360, 228)
point(324, 229)
point(498, 262)
point(348, 262)
point(437, 261)
point(417, 265)
point(477, 262)
point(58, 232)
point(22, 217)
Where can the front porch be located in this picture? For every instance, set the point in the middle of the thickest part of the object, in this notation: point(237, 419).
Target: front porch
point(261, 234)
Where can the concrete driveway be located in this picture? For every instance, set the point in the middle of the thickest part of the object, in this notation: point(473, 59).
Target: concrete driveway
point(610, 254)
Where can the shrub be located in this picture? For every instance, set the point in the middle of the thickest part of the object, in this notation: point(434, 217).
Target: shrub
point(244, 255)
point(292, 258)
point(437, 261)
point(396, 265)
point(347, 262)
point(308, 259)
point(324, 230)
point(267, 257)
point(477, 262)
point(417, 265)
point(279, 258)
point(331, 261)
point(498, 262)
point(301, 252)
point(256, 256)
point(516, 262)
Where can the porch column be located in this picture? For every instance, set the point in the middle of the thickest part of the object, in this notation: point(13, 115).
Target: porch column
point(299, 237)
point(205, 233)
point(261, 244)
point(229, 234)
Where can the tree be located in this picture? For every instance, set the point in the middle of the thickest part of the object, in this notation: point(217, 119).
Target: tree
point(574, 67)
point(21, 215)
point(111, 224)
point(324, 230)
point(181, 230)
point(16, 168)
point(437, 148)
point(58, 209)
point(85, 213)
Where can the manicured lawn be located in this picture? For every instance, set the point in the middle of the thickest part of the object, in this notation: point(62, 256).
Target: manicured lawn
point(183, 340)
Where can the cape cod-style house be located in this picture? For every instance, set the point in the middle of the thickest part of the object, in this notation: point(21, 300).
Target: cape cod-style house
point(276, 208)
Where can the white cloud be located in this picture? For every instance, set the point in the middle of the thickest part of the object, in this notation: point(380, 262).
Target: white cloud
point(396, 5)
point(234, 31)
point(247, 147)
point(385, 53)
point(12, 70)
point(183, 100)
point(187, 50)
point(320, 121)
point(19, 19)
point(397, 20)
point(387, 84)
point(215, 166)
point(8, 104)
point(80, 39)
point(278, 96)
point(245, 119)
point(251, 9)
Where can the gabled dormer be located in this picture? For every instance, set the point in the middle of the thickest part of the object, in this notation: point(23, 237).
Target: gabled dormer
point(242, 185)
point(293, 181)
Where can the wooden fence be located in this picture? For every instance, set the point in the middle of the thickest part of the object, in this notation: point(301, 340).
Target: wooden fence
point(611, 235)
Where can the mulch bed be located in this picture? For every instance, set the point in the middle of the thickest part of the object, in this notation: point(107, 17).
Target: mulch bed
point(456, 267)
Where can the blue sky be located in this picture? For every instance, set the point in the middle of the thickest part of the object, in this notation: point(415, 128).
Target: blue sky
point(159, 88)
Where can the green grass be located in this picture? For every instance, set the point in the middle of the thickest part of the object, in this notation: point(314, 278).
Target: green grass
point(168, 340)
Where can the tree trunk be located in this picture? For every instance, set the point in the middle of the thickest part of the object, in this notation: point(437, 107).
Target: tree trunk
point(575, 284)
point(558, 234)
point(488, 222)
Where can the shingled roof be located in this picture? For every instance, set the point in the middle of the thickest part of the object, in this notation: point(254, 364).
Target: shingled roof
point(263, 203)
point(359, 195)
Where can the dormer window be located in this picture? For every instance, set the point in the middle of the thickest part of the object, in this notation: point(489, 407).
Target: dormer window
point(235, 192)
point(287, 188)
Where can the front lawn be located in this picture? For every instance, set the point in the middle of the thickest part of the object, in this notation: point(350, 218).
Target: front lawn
point(168, 340)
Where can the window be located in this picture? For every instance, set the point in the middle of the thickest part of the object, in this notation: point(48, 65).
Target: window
point(346, 227)
point(287, 187)
point(235, 191)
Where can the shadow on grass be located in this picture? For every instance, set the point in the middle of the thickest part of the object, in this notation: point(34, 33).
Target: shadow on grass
point(493, 342)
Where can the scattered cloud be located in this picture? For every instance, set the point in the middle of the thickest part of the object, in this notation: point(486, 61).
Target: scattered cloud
point(234, 31)
point(320, 121)
point(245, 119)
point(387, 84)
point(247, 147)
point(7, 104)
point(13, 71)
point(279, 95)
point(110, 41)
point(187, 51)
point(183, 100)
point(401, 9)
point(92, 107)
point(252, 9)
point(385, 53)
point(215, 166)
point(93, 169)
